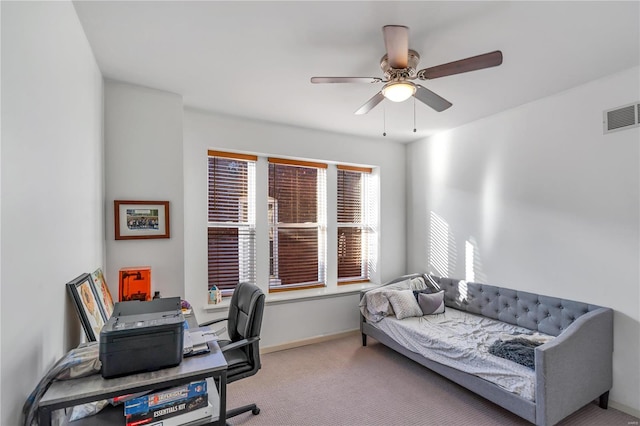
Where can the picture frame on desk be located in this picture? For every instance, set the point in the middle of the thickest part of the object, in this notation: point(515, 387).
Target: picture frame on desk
point(136, 220)
point(86, 300)
point(105, 300)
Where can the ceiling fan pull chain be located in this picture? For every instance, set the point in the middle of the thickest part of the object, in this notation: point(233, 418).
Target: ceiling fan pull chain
point(384, 120)
point(414, 114)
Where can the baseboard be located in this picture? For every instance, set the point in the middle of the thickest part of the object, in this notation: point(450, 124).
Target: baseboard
point(625, 409)
point(309, 341)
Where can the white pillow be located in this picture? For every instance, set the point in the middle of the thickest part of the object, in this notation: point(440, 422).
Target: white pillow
point(400, 285)
point(417, 284)
point(404, 304)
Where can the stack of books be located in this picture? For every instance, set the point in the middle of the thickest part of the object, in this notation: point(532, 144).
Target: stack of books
point(169, 407)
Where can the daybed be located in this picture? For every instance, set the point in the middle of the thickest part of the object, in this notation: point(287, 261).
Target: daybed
point(572, 364)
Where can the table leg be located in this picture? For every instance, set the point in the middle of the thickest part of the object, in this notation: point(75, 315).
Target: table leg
point(222, 392)
point(44, 416)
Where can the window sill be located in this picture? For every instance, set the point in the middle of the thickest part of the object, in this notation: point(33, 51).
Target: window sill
point(316, 293)
point(300, 295)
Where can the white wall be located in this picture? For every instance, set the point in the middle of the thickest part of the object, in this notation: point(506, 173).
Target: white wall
point(146, 158)
point(52, 188)
point(550, 204)
point(1, 418)
point(285, 322)
point(143, 161)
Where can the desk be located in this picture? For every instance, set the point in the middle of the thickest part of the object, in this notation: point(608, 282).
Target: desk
point(67, 393)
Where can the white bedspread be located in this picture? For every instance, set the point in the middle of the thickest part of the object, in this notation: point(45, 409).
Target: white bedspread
point(461, 340)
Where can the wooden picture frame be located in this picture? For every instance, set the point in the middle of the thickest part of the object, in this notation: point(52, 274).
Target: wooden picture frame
point(85, 298)
point(136, 220)
point(105, 300)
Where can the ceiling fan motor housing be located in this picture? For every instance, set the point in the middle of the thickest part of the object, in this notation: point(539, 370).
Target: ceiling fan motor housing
point(400, 73)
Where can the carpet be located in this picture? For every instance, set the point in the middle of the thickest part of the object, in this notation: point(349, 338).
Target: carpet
point(340, 382)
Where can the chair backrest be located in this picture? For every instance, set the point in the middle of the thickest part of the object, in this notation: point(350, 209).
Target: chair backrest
point(245, 316)
point(244, 322)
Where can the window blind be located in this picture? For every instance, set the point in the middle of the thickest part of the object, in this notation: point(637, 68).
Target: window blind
point(231, 219)
point(297, 206)
point(356, 224)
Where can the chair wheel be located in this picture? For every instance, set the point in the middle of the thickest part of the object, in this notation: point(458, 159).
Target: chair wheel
point(255, 411)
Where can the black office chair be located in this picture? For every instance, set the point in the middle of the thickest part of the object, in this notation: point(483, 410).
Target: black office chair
point(242, 351)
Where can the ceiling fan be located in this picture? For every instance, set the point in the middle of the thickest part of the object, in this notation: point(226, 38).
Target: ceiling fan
point(399, 65)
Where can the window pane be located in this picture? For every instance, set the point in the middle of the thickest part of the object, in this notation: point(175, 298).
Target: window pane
point(231, 217)
point(349, 197)
point(228, 190)
point(355, 215)
point(350, 253)
point(297, 215)
point(297, 261)
point(295, 189)
point(224, 264)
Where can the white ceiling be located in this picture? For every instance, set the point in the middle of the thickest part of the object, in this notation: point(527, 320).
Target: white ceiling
point(255, 59)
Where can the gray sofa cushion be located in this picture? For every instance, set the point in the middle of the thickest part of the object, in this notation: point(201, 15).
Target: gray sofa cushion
point(549, 315)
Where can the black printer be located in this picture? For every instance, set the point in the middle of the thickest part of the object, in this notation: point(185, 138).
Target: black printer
point(142, 336)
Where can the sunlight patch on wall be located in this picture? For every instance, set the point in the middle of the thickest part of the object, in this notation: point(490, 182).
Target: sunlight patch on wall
point(439, 147)
point(469, 272)
point(490, 202)
point(442, 252)
point(473, 263)
point(462, 291)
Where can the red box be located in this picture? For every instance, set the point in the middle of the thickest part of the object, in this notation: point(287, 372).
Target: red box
point(135, 283)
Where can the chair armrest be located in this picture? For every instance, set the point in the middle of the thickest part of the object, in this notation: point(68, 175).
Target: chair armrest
point(204, 324)
point(239, 344)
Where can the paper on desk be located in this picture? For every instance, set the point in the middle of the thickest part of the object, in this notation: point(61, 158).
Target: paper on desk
point(199, 337)
point(196, 340)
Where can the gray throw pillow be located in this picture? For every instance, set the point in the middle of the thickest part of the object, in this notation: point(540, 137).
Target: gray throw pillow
point(417, 292)
point(431, 303)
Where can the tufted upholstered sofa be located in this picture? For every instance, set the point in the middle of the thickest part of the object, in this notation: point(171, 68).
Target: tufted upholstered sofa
point(572, 370)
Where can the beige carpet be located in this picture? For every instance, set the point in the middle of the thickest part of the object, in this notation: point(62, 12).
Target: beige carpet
point(340, 382)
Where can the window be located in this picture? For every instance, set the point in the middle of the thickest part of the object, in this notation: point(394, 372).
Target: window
point(356, 224)
point(297, 227)
point(231, 220)
point(291, 195)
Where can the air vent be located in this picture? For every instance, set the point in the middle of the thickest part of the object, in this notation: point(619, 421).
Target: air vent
point(620, 118)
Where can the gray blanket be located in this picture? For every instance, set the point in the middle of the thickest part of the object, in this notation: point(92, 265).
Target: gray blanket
point(517, 350)
point(461, 340)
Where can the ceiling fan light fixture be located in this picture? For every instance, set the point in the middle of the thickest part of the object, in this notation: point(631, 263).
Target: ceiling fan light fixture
point(399, 91)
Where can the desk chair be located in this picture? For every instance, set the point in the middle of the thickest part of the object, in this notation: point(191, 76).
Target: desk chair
point(242, 351)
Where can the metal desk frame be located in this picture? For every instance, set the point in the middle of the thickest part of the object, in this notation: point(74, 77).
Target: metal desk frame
point(67, 393)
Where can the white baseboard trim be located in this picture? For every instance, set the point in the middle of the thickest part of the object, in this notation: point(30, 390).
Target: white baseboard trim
point(308, 341)
point(625, 409)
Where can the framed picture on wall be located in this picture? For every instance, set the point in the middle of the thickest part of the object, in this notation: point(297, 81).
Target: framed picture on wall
point(105, 301)
point(141, 219)
point(85, 297)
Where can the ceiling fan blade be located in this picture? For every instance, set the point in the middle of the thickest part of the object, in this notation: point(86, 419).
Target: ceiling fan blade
point(346, 80)
point(396, 41)
point(370, 104)
point(474, 63)
point(432, 100)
